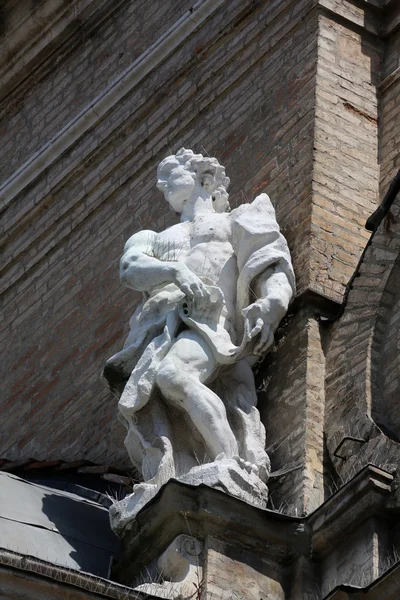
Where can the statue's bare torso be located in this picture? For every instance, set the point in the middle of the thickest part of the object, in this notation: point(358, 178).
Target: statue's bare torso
point(205, 246)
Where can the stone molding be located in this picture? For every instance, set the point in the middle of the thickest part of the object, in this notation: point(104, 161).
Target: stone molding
point(30, 45)
point(282, 539)
point(390, 80)
point(132, 76)
point(346, 509)
point(107, 99)
point(204, 511)
point(386, 586)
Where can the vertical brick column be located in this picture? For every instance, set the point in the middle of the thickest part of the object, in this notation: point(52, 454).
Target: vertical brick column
point(345, 191)
point(293, 412)
point(346, 168)
point(389, 113)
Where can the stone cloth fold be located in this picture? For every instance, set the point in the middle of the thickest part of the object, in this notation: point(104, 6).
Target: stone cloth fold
point(258, 245)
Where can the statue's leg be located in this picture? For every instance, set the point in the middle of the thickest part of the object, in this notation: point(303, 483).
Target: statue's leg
point(181, 378)
point(242, 397)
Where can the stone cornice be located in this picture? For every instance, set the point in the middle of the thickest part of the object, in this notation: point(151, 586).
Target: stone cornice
point(204, 511)
point(386, 586)
point(390, 80)
point(88, 117)
point(362, 496)
point(131, 77)
point(36, 38)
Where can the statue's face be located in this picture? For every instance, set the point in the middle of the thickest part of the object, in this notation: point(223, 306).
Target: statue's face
point(176, 183)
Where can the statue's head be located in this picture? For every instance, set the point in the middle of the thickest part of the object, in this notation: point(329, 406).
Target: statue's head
point(178, 174)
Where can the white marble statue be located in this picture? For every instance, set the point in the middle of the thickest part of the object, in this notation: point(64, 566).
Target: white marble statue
point(215, 287)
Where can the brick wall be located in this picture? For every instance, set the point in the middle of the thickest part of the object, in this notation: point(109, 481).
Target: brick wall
point(245, 94)
point(72, 78)
point(292, 408)
point(346, 170)
point(345, 190)
point(363, 357)
point(363, 360)
point(387, 374)
point(389, 145)
point(284, 93)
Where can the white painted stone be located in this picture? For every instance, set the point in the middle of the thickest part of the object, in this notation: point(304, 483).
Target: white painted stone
point(232, 476)
point(215, 287)
point(175, 562)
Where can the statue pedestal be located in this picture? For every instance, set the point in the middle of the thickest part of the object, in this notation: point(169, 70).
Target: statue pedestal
point(200, 542)
point(228, 475)
point(199, 537)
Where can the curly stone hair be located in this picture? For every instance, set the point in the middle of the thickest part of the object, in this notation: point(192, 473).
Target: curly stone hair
point(199, 165)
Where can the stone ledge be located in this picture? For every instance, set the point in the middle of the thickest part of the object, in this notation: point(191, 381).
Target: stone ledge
point(33, 571)
point(385, 587)
point(224, 475)
point(362, 497)
point(200, 512)
point(389, 80)
point(203, 512)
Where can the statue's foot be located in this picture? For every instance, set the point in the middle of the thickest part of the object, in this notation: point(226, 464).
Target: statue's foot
point(221, 456)
point(246, 465)
point(261, 468)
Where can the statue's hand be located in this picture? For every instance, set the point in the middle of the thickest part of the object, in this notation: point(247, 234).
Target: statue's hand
point(191, 285)
point(256, 324)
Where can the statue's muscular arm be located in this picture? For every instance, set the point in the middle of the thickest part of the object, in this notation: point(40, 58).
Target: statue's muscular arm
point(274, 293)
point(141, 271)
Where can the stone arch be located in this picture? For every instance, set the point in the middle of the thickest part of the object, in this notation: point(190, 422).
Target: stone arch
point(385, 363)
point(361, 412)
